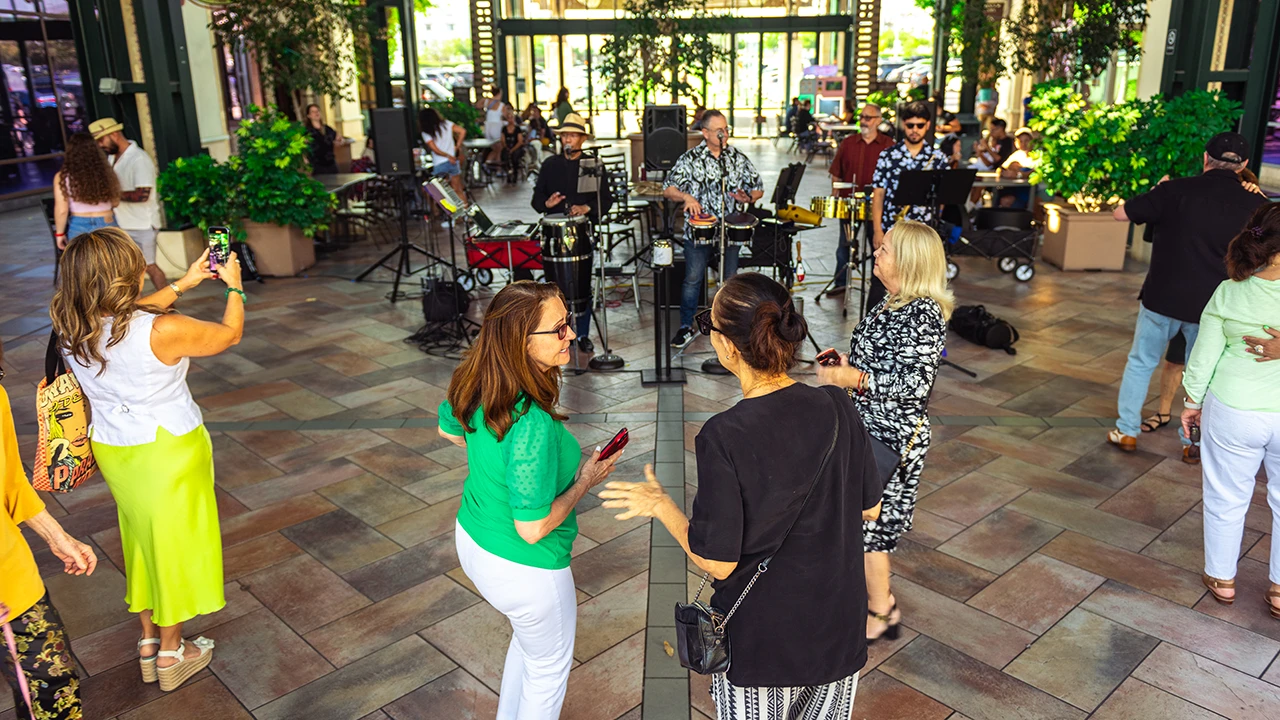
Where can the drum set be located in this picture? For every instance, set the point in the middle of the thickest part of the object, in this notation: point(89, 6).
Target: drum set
point(854, 214)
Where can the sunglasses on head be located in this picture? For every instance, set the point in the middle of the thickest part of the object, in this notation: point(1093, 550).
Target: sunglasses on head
point(561, 331)
point(703, 321)
point(917, 125)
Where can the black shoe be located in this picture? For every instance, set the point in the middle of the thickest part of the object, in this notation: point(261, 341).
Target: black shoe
point(683, 337)
point(585, 345)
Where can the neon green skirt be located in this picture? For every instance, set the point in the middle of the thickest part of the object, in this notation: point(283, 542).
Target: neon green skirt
point(168, 524)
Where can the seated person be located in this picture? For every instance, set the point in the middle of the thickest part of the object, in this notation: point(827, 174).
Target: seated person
point(513, 147)
point(1019, 165)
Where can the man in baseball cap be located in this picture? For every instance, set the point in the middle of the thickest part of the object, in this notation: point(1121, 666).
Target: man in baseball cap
point(139, 210)
point(1191, 220)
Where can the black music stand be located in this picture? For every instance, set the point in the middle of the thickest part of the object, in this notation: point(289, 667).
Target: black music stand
point(932, 188)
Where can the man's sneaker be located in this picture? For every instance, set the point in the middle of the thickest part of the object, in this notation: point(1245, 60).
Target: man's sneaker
point(585, 345)
point(683, 337)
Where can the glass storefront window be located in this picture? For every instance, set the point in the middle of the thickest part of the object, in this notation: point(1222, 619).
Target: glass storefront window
point(42, 98)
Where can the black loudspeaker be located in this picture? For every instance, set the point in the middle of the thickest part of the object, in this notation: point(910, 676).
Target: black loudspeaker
point(664, 136)
point(391, 144)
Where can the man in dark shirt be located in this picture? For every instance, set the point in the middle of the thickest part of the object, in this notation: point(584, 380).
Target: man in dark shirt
point(556, 193)
point(855, 162)
point(1193, 220)
point(994, 149)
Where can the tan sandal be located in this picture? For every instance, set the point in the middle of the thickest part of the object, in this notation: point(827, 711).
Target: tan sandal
point(148, 664)
point(1272, 595)
point(1214, 584)
point(176, 674)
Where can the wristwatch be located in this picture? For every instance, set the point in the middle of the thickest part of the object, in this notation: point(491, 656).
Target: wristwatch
point(176, 290)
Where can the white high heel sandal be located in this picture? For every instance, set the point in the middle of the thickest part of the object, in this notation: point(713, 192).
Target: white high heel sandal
point(176, 674)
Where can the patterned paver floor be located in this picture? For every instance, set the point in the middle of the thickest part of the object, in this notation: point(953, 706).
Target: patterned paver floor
point(1047, 576)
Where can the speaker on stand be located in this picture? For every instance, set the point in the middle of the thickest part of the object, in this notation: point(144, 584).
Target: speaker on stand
point(665, 137)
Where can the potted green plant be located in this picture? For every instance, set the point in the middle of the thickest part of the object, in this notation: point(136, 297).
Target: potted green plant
point(196, 192)
point(263, 193)
point(281, 204)
point(1094, 156)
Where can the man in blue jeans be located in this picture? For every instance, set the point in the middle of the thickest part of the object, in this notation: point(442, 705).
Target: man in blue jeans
point(695, 180)
point(1193, 220)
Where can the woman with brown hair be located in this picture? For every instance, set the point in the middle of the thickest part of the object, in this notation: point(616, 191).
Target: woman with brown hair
point(785, 478)
point(131, 357)
point(85, 191)
point(517, 523)
point(1234, 397)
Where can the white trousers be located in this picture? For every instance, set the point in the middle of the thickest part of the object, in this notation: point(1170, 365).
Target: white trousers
point(543, 609)
point(1233, 443)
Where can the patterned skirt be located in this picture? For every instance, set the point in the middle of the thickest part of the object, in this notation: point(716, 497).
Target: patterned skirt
point(833, 701)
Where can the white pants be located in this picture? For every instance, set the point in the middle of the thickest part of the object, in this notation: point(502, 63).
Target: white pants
point(1233, 443)
point(543, 609)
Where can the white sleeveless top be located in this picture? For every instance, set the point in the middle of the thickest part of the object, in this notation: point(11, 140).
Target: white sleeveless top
point(137, 394)
point(493, 120)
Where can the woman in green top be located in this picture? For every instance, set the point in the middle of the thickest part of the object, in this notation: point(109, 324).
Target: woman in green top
point(516, 525)
point(562, 108)
point(1240, 395)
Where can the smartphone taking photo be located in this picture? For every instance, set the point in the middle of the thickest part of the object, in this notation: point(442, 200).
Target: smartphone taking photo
point(219, 247)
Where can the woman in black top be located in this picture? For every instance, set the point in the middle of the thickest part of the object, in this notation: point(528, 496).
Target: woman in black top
point(323, 139)
point(890, 369)
point(513, 142)
point(796, 639)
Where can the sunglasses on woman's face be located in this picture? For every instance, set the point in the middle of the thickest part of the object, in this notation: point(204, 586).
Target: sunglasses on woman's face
point(703, 321)
point(561, 331)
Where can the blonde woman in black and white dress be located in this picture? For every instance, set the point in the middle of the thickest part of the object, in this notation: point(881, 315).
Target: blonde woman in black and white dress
point(892, 363)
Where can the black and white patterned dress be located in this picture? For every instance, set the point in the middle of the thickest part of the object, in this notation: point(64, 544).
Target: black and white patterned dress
point(901, 351)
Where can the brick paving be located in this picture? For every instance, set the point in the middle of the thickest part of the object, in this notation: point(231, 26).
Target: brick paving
point(1048, 576)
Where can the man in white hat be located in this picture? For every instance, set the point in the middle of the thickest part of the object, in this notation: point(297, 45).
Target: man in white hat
point(557, 193)
point(139, 211)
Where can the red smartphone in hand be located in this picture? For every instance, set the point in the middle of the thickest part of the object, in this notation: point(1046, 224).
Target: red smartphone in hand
point(829, 358)
point(618, 442)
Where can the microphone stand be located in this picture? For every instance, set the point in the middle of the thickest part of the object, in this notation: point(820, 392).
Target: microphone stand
point(712, 366)
point(605, 360)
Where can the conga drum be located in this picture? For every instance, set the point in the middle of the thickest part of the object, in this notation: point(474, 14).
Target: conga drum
point(739, 227)
point(706, 227)
point(566, 258)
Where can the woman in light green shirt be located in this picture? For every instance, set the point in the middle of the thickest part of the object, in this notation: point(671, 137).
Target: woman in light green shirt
point(1240, 397)
point(516, 525)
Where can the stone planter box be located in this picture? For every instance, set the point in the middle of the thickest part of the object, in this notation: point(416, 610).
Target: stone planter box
point(1083, 241)
point(177, 249)
point(279, 251)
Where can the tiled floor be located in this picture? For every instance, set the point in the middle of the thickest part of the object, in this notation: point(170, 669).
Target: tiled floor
point(1048, 576)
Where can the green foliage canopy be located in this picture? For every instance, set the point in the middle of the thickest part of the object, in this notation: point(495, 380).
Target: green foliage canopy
point(266, 181)
point(1096, 155)
point(652, 39)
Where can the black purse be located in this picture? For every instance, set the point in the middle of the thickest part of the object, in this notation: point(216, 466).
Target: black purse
point(701, 639)
point(888, 459)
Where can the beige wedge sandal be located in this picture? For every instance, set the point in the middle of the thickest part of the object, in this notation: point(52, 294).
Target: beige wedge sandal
point(1275, 611)
point(148, 664)
point(176, 674)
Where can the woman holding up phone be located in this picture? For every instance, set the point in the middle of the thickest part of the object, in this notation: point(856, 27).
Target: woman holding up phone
point(130, 356)
point(517, 525)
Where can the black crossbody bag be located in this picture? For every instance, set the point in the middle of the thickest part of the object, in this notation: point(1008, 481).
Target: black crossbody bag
point(701, 639)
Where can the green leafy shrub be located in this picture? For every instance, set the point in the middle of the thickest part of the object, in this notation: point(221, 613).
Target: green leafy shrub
point(266, 181)
point(1096, 155)
point(198, 191)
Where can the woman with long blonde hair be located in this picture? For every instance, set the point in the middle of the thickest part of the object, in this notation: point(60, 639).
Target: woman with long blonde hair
point(889, 372)
point(130, 356)
point(517, 524)
point(85, 191)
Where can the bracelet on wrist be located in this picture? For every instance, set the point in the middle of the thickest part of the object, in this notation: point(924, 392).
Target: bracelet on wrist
point(176, 290)
point(243, 298)
point(1190, 404)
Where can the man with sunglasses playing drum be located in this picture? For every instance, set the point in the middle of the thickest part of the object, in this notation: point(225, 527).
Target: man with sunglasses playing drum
point(909, 153)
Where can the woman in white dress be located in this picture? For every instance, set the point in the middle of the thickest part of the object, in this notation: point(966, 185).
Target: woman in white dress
point(494, 120)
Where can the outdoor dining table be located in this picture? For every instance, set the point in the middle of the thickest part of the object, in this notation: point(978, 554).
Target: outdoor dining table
point(338, 185)
point(476, 149)
point(992, 179)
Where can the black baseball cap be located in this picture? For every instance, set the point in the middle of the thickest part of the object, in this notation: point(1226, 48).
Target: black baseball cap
point(1228, 147)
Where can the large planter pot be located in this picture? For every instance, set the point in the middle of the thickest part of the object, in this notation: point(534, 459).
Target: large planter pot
point(177, 249)
point(637, 151)
point(278, 250)
point(1083, 241)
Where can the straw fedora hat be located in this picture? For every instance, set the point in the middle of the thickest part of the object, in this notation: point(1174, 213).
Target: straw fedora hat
point(104, 127)
point(573, 123)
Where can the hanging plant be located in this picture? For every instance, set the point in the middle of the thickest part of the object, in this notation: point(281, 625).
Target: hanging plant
point(652, 40)
point(1074, 39)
